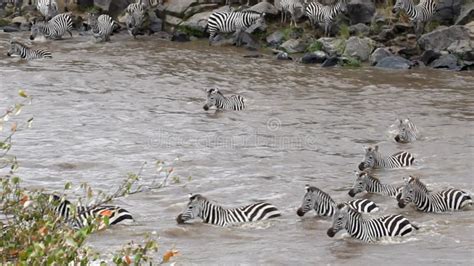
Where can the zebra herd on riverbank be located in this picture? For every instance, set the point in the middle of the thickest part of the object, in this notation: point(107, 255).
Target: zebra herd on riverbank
point(56, 25)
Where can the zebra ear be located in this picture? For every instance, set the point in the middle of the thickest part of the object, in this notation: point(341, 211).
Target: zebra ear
point(407, 179)
point(306, 187)
point(190, 195)
point(262, 15)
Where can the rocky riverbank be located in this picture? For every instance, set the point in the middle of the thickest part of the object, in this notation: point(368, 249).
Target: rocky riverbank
point(367, 34)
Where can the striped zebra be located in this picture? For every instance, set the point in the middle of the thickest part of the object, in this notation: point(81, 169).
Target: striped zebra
point(418, 14)
point(374, 159)
point(290, 7)
point(319, 13)
point(80, 216)
point(366, 182)
point(217, 99)
point(226, 22)
point(407, 131)
point(101, 26)
point(369, 230)
point(18, 48)
point(135, 18)
point(53, 29)
point(414, 191)
point(47, 8)
point(200, 207)
point(319, 201)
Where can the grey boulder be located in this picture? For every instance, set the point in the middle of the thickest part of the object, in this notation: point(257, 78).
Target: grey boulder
point(394, 62)
point(359, 48)
point(448, 61)
point(441, 39)
point(379, 54)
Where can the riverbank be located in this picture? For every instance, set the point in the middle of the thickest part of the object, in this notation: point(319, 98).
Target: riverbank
point(368, 34)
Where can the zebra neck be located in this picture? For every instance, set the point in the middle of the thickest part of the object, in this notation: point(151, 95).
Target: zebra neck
point(354, 223)
point(325, 207)
point(423, 201)
point(213, 213)
point(222, 102)
point(410, 9)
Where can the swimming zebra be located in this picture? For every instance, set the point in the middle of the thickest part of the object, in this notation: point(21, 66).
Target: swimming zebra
point(374, 159)
point(407, 131)
point(101, 26)
point(47, 8)
point(135, 18)
point(227, 22)
point(319, 13)
point(291, 7)
point(366, 182)
point(212, 213)
point(319, 201)
point(369, 230)
point(26, 52)
point(217, 99)
point(83, 216)
point(418, 14)
point(53, 29)
point(446, 200)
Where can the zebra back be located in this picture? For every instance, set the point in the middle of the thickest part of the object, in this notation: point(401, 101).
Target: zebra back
point(227, 22)
point(366, 182)
point(374, 159)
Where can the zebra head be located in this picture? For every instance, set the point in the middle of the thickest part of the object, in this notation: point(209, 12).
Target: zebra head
point(309, 200)
point(369, 158)
point(213, 95)
point(405, 131)
point(360, 184)
point(410, 190)
point(341, 6)
point(193, 209)
point(399, 5)
point(260, 23)
point(36, 29)
point(13, 48)
point(339, 220)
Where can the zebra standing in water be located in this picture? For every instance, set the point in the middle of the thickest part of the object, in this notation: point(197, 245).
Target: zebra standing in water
point(26, 52)
point(319, 13)
point(135, 18)
point(53, 29)
point(101, 26)
point(212, 213)
point(446, 200)
point(82, 216)
point(217, 99)
point(47, 8)
point(226, 22)
point(366, 182)
point(368, 230)
point(319, 201)
point(291, 7)
point(407, 131)
point(374, 159)
point(418, 14)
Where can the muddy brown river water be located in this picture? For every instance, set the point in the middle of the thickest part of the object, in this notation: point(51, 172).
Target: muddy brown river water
point(101, 110)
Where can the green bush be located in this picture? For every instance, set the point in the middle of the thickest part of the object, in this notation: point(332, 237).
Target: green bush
point(344, 31)
point(315, 46)
point(351, 62)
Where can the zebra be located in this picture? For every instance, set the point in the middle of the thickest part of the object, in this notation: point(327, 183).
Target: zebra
point(374, 159)
point(217, 99)
point(101, 26)
point(47, 8)
point(291, 7)
point(53, 29)
point(319, 201)
point(366, 182)
point(407, 131)
point(418, 14)
point(80, 216)
point(319, 13)
point(369, 230)
point(135, 18)
point(26, 52)
point(212, 213)
point(227, 22)
point(446, 200)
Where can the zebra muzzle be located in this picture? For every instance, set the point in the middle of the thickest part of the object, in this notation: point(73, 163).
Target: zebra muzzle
point(205, 107)
point(401, 204)
point(351, 193)
point(179, 219)
point(331, 232)
point(8, 54)
point(361, 166)
point(300, 212)
point(31, 37)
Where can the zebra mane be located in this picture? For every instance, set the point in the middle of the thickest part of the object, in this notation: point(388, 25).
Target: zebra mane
point(416, 182)
point(196, 197)
point(15, 42)
point(318, 191)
